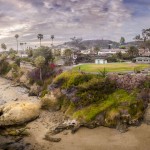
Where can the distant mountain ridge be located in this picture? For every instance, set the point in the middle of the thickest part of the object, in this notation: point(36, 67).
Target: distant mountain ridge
point(103, 44)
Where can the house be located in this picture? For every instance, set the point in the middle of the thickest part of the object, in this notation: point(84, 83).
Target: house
point(100, 61)
point(142, 60)
point(22, 54)
point(144, 52)
point(60, 62)
point(106, 52)
point(86, 51)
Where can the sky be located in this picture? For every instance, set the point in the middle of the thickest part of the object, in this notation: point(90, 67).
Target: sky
point(86, 19)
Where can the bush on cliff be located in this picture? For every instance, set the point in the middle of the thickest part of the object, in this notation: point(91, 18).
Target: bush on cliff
point(4, 67)
point(120, 101)
point(69, 79)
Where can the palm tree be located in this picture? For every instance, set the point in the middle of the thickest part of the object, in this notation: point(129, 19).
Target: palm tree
point(17, 36)
point(40, 37)
point(25, 45)
point(52, 37)
point(3, 46)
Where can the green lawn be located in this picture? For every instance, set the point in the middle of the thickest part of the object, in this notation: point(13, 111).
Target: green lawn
point(111, 67)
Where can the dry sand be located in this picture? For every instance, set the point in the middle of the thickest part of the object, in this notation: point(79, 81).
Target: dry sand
point(137, 138)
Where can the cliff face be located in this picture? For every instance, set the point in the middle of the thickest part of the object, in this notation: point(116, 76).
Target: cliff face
point(114, 101)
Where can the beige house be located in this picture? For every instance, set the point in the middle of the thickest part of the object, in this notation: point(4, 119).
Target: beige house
point(144, 52)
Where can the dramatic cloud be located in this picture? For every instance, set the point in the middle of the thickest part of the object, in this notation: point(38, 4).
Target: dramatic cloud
point(89, 19)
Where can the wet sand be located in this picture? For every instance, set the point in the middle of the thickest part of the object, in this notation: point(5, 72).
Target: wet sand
point(101, 138)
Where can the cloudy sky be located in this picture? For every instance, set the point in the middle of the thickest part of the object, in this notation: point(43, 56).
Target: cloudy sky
point(87, 19)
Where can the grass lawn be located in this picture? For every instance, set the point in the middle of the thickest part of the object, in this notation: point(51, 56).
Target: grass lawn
point(111, 67)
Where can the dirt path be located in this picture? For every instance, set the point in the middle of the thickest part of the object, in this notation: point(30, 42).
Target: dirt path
point(137, 138)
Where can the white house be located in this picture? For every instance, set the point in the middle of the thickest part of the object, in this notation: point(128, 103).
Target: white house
point(105, 52)
point(60, 62)
point(142, 60)
point(100, 61)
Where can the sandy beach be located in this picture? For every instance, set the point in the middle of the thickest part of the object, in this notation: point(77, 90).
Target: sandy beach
point(101, 138)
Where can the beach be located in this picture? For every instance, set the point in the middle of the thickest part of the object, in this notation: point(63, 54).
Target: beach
point(101, 138)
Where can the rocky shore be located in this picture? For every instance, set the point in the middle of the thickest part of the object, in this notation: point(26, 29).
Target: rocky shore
point(37, 134)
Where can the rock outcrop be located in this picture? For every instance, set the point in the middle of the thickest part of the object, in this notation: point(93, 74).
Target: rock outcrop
point(51, 100)
point(129, 82)
point(34, 90)
point(18, 113)
point(24, 79)
point(147, 115)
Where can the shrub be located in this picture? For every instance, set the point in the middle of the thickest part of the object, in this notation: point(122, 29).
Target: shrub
point(137, 70)
point(71, 78)
point(47, 73)
point(17, 61)
point(102, 73)
point(113, 101)
point(96, 90)
point(4, 67)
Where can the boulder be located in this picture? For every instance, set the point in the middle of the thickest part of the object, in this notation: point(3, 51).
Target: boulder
point(147, 115)
point(24, 80)
point(52, 139)
point(51, 100)
point(17, 113)
point(10, 75)
point(34, 90)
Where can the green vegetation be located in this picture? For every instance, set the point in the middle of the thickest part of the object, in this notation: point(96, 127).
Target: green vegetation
point(114, 101)
point(4, 65)
point(72, 78)
point(111, 67)
point(44, 52)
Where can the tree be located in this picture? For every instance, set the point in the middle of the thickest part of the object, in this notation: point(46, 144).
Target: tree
point(122, 40)
point(25, 45)
point(145, 45)
point(68, 59)
point(40, 37)
point(17, 36)
point(45, 52)
point(133, 51)
point(12, 51)
point(29, 52)
point(57, 53)
point(3, 46)
point(40, 62)
point(52, 37)
point(119, 55)
point(68, 53)
point(137, 38)
point(76, 41)
point(12, 56)
point(96, 50)
point(146, 34)
point(3, 57)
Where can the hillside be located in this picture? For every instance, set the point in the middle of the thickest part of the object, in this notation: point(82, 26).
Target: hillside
point(103, 44)
point(86, 44)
